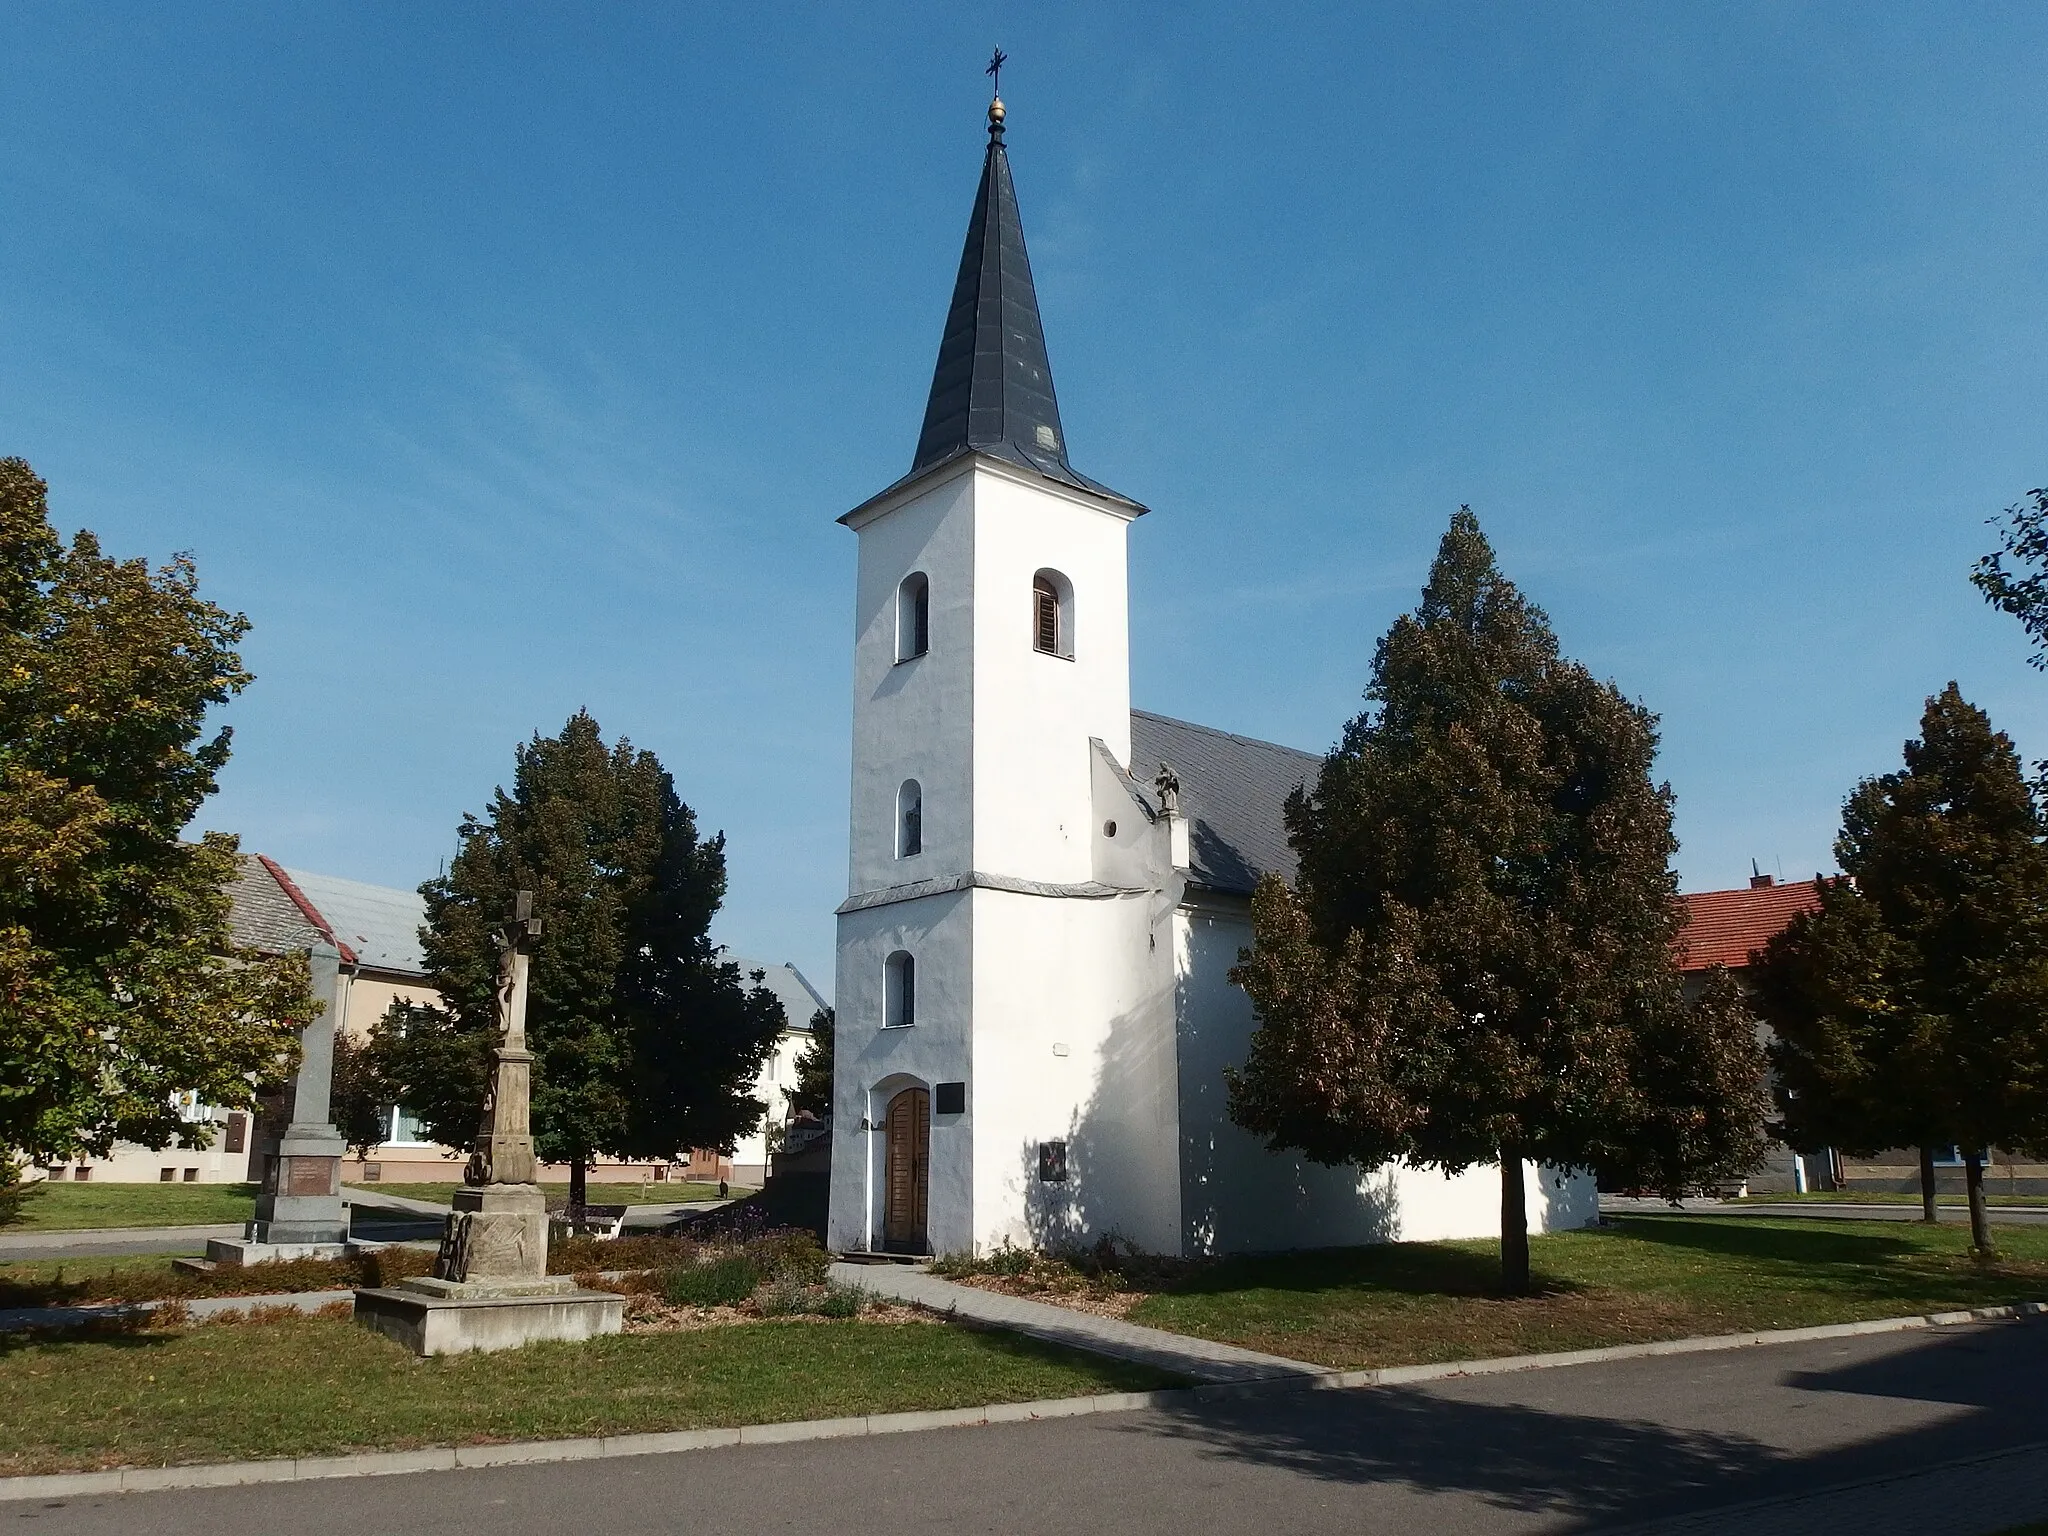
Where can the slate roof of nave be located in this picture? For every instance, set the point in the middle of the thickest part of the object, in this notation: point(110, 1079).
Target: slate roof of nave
point(1232, 791)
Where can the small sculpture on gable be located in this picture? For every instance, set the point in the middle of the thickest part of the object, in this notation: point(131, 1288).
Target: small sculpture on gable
point(1167, 783)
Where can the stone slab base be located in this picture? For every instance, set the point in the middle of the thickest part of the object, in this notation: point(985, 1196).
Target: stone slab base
point(435, 1325)
point(490, 1288)
point(235, 1251)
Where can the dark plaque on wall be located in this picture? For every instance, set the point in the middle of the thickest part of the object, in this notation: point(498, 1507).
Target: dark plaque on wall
point(1052, 1162)
point(949, 1099)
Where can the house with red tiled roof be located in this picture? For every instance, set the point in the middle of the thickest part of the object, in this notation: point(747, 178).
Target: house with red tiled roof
point(1724, 927)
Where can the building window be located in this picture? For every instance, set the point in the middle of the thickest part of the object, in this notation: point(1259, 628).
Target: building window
point(1052, 614)
point(165, 1175)
point(899, 991)
point(1052, 1162)
point(913, 616)
point(909, 820)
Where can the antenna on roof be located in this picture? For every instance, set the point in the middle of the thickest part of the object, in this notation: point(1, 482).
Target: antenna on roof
point(1753, 870)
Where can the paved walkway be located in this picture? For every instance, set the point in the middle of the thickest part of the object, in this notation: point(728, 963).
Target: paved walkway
point(1199, 1358)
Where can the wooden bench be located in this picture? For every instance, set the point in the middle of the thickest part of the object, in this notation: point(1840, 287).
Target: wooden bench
point(604, 1222)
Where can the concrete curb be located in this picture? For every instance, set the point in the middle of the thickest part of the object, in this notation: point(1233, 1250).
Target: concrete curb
point(65, 1485)
point(299, 1469)
point(1400, 1375)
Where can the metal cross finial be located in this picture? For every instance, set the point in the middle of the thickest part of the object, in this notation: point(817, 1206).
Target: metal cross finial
point(996, 61)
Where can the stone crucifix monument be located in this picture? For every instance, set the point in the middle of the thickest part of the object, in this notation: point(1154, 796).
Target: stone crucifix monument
point(491, 1288)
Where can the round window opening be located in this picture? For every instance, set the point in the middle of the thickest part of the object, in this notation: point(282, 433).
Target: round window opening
point(1109, 829)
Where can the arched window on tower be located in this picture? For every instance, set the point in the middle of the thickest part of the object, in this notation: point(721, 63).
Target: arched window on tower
point(899, 991)
point(909, 819)
point(913, 616)
point(1052, 614)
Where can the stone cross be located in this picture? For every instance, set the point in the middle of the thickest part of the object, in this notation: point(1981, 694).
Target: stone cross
point(497, 1235)
point(504, 1144)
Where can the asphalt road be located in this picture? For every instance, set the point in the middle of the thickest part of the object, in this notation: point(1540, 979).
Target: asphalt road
point(1880, 1423)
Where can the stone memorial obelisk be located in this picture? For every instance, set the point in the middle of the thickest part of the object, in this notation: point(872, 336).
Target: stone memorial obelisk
point(299, 1211)
point(491, 1288)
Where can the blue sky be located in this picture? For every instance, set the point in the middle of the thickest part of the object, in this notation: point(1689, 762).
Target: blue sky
point(498, 360)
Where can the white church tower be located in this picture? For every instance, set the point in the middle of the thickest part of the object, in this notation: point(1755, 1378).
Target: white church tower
point(999, 985)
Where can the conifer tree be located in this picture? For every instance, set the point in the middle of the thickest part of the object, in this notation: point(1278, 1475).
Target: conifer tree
point(1914, 1004)
point(645, 1040)
point(813, 1090)
point(1477, 964)
point(120, 986)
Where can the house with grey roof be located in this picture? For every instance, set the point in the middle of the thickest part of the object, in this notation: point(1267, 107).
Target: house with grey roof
point(1047, 889)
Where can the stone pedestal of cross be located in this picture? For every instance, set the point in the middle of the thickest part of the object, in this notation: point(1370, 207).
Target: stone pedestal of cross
point(491, 1288)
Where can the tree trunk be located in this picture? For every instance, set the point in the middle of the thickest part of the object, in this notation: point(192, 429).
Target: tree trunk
point(1514, 1225)
point(1927, 1207)
point(1980, 1223)
point(579, 1187)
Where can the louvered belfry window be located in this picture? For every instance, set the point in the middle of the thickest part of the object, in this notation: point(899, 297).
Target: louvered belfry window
point(1046, 609)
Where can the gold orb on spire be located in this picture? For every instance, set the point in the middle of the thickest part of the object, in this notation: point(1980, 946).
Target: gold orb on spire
point(995, 110)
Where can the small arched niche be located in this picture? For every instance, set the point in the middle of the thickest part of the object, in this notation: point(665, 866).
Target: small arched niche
point(913, 616)
point(909, 819)
point(1052, 614)
point(899, 991)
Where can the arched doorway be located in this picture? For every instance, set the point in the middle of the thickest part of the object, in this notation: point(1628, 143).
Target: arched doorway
point(907, 1128)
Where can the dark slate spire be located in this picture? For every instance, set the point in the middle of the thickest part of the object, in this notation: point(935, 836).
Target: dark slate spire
point(992, 390)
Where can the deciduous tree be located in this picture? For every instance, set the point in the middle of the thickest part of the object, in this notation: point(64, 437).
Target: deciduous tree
point(120, 987)
point(2014, 576)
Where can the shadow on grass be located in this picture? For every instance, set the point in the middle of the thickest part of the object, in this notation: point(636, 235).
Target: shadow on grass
point(114, 1331)
point(1802, 1247)
point(1410, 1269)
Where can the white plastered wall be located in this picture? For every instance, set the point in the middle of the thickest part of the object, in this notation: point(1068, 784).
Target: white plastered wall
point(1073, 1042)
point(1237, 1197)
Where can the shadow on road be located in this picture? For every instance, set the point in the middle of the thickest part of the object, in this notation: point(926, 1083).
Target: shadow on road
point(1604, 1469)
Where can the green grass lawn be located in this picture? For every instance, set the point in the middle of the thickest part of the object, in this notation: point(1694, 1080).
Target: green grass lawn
point(319, 1386)
point(68, 1206)
point(600, 1194)
point(1874, 1197)
point(1636, 1278)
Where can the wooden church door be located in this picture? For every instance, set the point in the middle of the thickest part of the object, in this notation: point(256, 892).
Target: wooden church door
point(908, 1127)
